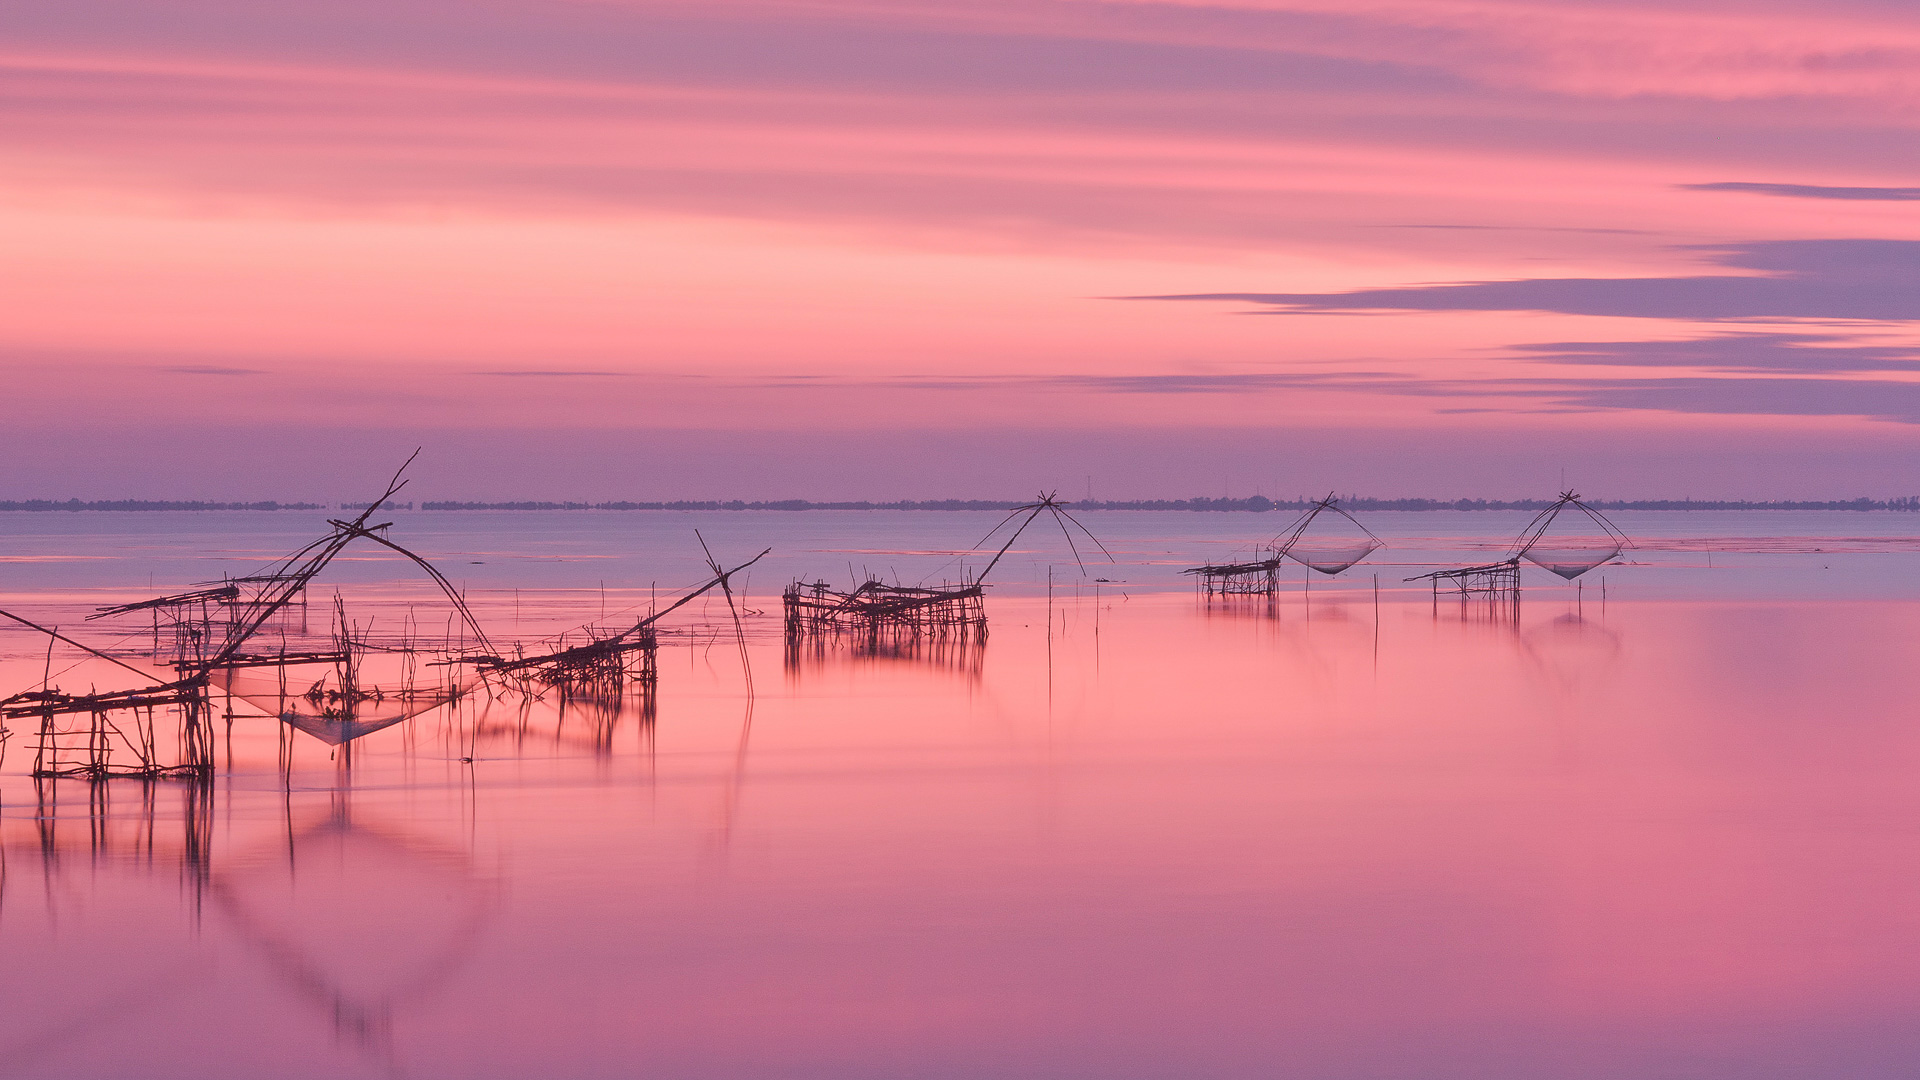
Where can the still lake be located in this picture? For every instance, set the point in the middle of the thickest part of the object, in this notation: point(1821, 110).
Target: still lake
point(1667, 823)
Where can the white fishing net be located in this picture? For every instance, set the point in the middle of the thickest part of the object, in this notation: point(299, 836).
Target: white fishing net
point(1571, 559)
point(1327, 538)
point(1570, 538)
point(1331, 556)
point(311, 698)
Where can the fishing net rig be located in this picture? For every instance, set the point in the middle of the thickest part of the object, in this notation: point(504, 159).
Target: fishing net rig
point(874, 610)
point(125, 720)
point(1326, 554)
point(1569, 558)
point(604, 663)
point(1494, 588)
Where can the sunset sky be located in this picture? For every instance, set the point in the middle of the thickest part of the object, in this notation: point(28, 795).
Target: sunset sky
point(927, 248)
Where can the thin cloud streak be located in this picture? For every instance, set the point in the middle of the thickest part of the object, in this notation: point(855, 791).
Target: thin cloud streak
point(1868, 279)
point(1744, 353)
point(1877, 399)
point(534, 374)
point(210, 369)
point(1814, 191)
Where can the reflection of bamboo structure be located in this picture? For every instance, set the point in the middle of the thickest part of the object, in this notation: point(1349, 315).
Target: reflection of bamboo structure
point(114, 834)
point(961, 653)
point(251, 893)
point(356, 982)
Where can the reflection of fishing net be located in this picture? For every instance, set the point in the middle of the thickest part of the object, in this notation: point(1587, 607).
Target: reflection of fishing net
point(1331, 556)
point(1571, 559)
point(1327, 539)
point(356, 920)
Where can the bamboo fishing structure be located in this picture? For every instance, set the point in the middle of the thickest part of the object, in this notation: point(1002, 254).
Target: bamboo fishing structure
point(604, 664)
point(1261, 577)
point(874, 615)
point(1493, 589)
point(211, 639)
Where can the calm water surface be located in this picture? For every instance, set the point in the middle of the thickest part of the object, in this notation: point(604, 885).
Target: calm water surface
point(1674, 832)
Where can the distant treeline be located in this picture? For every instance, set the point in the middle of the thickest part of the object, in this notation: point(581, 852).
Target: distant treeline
point(152, 504)
point(1256, 504)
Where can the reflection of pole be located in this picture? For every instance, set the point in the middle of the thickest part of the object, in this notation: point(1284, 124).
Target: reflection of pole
point(342, 795)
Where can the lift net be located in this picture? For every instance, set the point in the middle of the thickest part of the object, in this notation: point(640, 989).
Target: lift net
point(1569, 552)
point(1327, 538)
point(1331, 556)
point(1571, 561)
point(312, 698)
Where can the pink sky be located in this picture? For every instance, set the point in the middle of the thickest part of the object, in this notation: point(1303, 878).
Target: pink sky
point(643, 250)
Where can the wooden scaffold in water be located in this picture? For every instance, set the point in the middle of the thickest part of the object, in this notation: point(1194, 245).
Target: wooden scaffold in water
point(1493, 589)
point(874, 612)
point(93, 735)
point(1321, 549)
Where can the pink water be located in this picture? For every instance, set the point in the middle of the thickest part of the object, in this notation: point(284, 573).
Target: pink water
point(1134, 837)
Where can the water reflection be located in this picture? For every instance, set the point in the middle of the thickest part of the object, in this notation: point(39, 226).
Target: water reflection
point(557, 723)
point(139, 826)
point(1571, 651)
point(963, 655)
point(1671, 841)
point(358, 917)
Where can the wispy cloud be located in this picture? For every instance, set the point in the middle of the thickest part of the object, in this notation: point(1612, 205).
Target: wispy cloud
point(1744, 353)
point(1878, 399)
point(1792, 279)
point(1814, 191)
point(538, 374)
point(1766, 394)
point(211, 369)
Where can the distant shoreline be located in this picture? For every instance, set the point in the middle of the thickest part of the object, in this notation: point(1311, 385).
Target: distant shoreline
point(1256, 504)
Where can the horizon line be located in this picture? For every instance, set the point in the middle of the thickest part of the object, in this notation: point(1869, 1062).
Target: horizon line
point(1195, 504)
